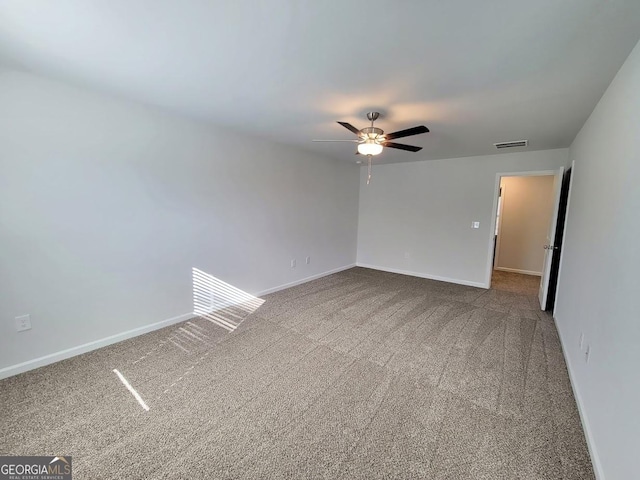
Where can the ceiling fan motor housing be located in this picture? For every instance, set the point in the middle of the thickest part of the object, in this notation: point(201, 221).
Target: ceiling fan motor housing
point(371, 132)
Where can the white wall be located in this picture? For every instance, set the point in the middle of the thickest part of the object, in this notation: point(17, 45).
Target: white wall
point(105, 207)
point(598, 293)
point(416, 217)
point(527, 206)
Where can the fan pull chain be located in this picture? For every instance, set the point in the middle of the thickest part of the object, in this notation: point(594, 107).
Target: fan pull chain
point(369, 172)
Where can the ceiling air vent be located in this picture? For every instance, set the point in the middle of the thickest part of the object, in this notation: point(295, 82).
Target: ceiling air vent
point(517, 143)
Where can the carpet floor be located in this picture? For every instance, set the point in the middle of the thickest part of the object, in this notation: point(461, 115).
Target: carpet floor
point(515, 282)
point(358, 375)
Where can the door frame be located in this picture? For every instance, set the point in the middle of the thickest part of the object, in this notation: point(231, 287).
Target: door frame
point(552, 229)
point(564, 234)
point(499, 208)
point(494, 210)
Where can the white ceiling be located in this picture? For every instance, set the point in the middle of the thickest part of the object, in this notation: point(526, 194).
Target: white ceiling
point(474, 72)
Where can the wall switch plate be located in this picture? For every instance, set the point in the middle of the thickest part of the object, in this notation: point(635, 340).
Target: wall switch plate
point(581, 342)
point(308, 260)
point(475, 224)
point(293, 263)
point(23, 322)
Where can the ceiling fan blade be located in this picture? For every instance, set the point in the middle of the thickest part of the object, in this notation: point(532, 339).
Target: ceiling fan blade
point(402, 146)
point(350, 127)
point(407, 133)
point(350, 141)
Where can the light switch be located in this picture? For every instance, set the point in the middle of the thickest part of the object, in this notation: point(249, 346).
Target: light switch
point(475, 224)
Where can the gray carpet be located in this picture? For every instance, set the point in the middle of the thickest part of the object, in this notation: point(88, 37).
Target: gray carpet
point(515, 282)
point(358, 375)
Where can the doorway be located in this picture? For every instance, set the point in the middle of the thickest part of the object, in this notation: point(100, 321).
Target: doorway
point(528, 226)
point(522, 223)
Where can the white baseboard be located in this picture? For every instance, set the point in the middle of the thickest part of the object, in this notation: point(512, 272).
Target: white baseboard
point(424, 275)
point(87, 347)
point(103, 342)
point(304, 280)
point(517, 270)
point(595, 459)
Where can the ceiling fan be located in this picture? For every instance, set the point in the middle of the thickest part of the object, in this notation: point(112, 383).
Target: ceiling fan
point(372, 140)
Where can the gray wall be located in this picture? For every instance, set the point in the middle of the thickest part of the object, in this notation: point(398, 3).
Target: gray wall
point(416, 217)
point(598, 293)
point(105, 207)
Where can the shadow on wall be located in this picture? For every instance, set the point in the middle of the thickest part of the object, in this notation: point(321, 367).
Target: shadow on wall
point(221, 303)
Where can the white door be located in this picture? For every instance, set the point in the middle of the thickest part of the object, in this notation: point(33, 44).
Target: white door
point(549, 247)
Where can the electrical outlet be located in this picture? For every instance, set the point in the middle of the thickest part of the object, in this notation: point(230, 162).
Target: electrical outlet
point(475, 224)
point(293, 263)
point(308, 260)
point(23, 322)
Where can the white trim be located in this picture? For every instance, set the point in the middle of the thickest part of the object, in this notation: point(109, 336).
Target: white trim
point(517, 270)
point(87, 347)
point(103, 342)
point(492, 231)
point(304, 280)
point(494, 213)
point(533, 173)
point(502, 193)
point(591, 446)
point(423, 275)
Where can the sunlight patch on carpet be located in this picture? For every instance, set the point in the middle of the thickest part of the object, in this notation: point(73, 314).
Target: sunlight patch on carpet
point(133, 391)
point(221, 303)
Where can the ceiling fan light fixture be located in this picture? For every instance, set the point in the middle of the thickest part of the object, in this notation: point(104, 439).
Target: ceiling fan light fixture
point(369, 147)
point(372, 140)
